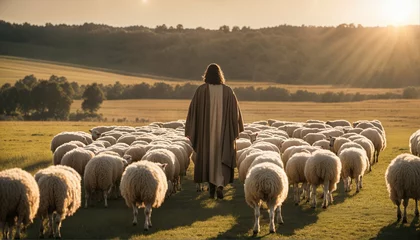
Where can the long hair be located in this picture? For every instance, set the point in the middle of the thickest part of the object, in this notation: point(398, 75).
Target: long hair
point(214, 74)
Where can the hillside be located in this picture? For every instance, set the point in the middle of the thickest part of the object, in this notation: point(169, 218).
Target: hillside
point(344, 55)
point(13, 69)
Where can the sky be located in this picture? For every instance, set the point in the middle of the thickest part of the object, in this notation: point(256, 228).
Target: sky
point(213, 13)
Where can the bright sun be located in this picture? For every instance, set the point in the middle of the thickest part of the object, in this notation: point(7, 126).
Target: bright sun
point(397, 12)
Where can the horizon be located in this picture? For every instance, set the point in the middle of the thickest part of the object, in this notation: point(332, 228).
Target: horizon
point(152, 13)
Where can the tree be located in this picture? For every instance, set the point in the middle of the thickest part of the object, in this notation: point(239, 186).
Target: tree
point(92, 98)
point(235, 29)
point(224, 29)
point(179, 27)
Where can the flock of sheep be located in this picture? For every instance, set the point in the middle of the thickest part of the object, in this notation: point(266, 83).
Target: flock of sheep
point(145, 166)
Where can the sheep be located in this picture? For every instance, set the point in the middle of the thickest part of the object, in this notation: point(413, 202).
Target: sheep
point(402, 179)
point(61, 151)
point(336, 123)
point(305, 131)
point(242, 143)
point(323, 167)
point(333, 132)
point(353, 166)
point(292, 142)
point(244, 154)
point(171, 170)
point(355, 130)
point(317, 125)
point(173, 125)
point(323, 144)
point(412, 143)
point(267, 157)
point(134, 153)
point(313, 137)
point(364, 125)
point(139, 142)
point(246, 163)
point(377, 140)
point(336, 143)
point(266, 182)
point(369, 148)
point(128, 139)
point(65, 137)
point(290, 128)
point(99, 130)
point(296, 149)
point(102, 173)
point(144, 184)
point(278, 141)
point(295, 171)
point(114, 134)
point(109, 139)
point(77, 159)
point(266, 146)
point(314, 121)
point(296, 132)
point(349, 145)
point(59, 197)
point(19, 198)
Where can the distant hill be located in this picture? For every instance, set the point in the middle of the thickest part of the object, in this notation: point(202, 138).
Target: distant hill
point(380, 57)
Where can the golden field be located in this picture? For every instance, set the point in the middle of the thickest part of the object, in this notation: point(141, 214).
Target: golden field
point(190, 215)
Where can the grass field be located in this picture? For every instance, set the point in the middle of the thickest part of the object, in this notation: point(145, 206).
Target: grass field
point(187, 215)
point(13, 69)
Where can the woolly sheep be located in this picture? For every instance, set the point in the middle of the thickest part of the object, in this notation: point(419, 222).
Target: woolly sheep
point(243, 166)
point(349, 145)
point(353, 166)
point(295, 171)
point(242, 143)
point(402, 178)
point(134, 153)
point(268, 157)
point(323, 144)
point(278, 141)
point(109, 139)
point(369, 148)
point(355, 130)
point(244, 154)
point(313, 137)
point(296, 132)
point(265, 146)
point(289, 129)
point(99, 130)
point(266, 182)
point(128, 139)
point(305, 131)
point(296, 149)
point(173, 125)
point(336, 143)
point(61, 151)
point(19, 198)
point(317, 125)
point(364, 125)
point(323, 167)
point(59, 197)
point(377, 140)
point(333, 132)
point(77, 159)
point(65, 137)
point(165, 156)
point(314, 121)
point(144, 184)
point(413, 142)
point(114, 134)
point(336, 123)
point(349, 135)
point(292, 142)
point(102, 173)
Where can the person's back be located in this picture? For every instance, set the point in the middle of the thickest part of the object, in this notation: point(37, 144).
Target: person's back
point(213, 123)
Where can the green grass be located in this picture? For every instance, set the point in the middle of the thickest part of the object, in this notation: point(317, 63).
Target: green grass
point(188, 214)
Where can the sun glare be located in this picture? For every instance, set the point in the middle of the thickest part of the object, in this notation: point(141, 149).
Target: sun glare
point(397, 12)
point(144, 1)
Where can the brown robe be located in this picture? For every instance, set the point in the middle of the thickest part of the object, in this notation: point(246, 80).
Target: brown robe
point(197, 128)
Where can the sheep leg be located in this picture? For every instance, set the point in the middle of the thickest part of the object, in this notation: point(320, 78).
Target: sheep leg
point(147, 215)
point(41, 227)
point(4, 228)
point(257, 219)
point(398, 203)
point(9, 231)
point(86, 198)
point(198, 187)
point(416, 212)
point(361, 181)
point(345, 184)
point(50, 225)
point(313, 196)
point(57, 226)
point(326, 192)
point(18, 227)
point(271, 214)
point(405, 204)
point(279, 216)
point(357, 180)
point(135, 213)
point(296, 193)
point(307, 192)
point(106, 198)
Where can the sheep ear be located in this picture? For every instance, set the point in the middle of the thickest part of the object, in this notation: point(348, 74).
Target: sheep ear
point(90, 130)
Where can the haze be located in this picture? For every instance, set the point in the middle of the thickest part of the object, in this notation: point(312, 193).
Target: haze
point(213, 13)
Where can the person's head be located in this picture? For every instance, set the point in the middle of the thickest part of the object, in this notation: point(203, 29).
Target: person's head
point(214, 74)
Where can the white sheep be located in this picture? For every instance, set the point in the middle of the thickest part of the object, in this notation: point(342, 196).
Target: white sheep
point(313, 137)
point(353, 166)
point(323, 144)
point(337, 123)
point(295, 171)
point(103, 173)
point(336, 143)
point(134, 153)
point(292, 142)
point(267, 157)
point(305, 131)
point(377, 140)
point(62, 150)
point(19, 198)
point(323, 167)
point(349, 145)
point(242, 143)
point(60, 192)
point(144, 184)
point(244, 165)
point(266, 182)
point(413, 142)
point(402, 178)
point(65, 137)
point(99, 130)
point(296, 149)
point(109, 139)
point(127, 138)
point(77, 159)
point(332, 132)
point(369, 148)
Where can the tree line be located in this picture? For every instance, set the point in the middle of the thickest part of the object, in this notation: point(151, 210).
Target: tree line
point(33, 99)
point(347, 55)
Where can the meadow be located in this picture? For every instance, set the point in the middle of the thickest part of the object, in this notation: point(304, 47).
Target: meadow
point(14, 68)
point(188, 214)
